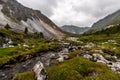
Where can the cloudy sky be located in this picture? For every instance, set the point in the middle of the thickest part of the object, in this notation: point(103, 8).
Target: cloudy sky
point(74, 12)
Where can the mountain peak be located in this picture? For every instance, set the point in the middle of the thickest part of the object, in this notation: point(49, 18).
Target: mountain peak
point(19, 17)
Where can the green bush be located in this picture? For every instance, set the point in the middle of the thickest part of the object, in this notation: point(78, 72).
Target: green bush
point(26, 30)
point(7, 27)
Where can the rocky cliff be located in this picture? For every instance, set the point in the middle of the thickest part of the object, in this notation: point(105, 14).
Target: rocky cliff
point(19, 17)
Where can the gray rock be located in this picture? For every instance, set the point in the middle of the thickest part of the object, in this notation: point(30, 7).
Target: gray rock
point(115, 66)
point(39, 71)
point(108, 57)
point(65, 50)
point(62, 58)
point(90, 45)
point(108, 52)
point(88, 56)
point(100, 58)
point(99, 51)
point(72, 39)
point(83, 53)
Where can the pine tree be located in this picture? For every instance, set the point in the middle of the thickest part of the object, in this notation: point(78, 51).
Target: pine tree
point(26, 30)
point(7, 27)
point(41, 35)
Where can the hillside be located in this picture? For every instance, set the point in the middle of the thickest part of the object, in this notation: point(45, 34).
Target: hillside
point(111, 30)
point(20, 17)
point(106, 22)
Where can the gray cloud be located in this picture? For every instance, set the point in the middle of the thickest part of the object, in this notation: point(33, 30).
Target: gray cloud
point(45, 6)
point(75, 12)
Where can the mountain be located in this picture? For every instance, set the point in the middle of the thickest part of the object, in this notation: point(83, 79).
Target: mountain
point(19, 17)
point(74, 29)
point(111, 30)
point(109, 21)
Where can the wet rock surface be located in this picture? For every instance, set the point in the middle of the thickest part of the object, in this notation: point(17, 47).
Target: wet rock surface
point(39, 70)
point(8, 73)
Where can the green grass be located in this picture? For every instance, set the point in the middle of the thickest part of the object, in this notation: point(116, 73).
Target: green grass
point(101, 38)
point(35, 43)
point(24, 76)
point(81, 69)
point(6, 51)
point(18, 54)
point(98, 40)
point(15, 36)
point(74, 54)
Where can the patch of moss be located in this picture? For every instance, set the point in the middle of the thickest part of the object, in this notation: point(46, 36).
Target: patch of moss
point(74, 54)
point(19, 54)
point(24, 76)
point(81, 69)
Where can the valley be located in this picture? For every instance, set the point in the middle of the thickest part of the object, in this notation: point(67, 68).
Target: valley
point(33, 47)
point(102, 51)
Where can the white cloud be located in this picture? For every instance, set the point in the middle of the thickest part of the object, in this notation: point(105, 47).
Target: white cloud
point(75, 12)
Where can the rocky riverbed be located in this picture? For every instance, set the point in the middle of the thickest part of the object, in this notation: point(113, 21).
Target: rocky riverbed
point(50, 58)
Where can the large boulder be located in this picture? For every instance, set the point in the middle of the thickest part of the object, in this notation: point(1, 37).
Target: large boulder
point(39, 71)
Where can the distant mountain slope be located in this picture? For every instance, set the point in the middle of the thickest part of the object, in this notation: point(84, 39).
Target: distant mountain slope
point(106, 22)
point(19, 17)
point(112, 30)
point(74, 29)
